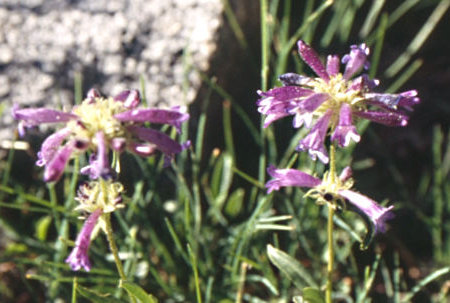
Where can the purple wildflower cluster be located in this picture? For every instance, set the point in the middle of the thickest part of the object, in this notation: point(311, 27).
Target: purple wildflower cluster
point(329, 105)
point(336, 192)
point(100, 125)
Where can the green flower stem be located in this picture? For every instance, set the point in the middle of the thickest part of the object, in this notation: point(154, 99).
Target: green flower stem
point(329, 288)
point(113, 247)
point(330, 265)
point(115, 252)
point(112, 244)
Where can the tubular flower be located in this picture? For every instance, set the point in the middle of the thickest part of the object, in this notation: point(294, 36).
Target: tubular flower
point(78, 258)
point(102, 124)
point(342, 96)
point(335, 191)
point(96, 197)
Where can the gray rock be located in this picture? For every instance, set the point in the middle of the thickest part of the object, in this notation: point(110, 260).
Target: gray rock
point(111, 43)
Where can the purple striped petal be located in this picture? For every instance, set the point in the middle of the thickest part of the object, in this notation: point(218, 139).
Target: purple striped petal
point(289, 177)
point(356, 60)
point(55, 168)
point(311, 58)
point(386, 118)
point(129, 98)
point(333, 63)
point(345, 131)
point(51, 145)
point(314, 141)
point(78, 258)
point(159, 116)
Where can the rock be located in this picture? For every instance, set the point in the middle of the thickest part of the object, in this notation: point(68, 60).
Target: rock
point(44, 44)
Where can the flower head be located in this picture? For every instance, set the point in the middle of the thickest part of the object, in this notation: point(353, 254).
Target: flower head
point(339, 97)
point(96, 197)
point(100, 194)
point(336, 192)
point(78, 258)
point(102, 124)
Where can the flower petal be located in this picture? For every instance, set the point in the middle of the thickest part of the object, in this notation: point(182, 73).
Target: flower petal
point(35, 116)
point(333, 63)
point(345, 131)
point(118, 144)
point(129, 98)
point(92, 94)
point(405, 99)
point(345, 174)
point(389, 118)
point(356, 60)
point(274, 117)
point(142, 149)
point(292, 79)
point(283, 94)
point(314, 141)
point(289, 177)
point(160, 116)
point(98, 164)
point(163, 142)
point(363, 83)
point(280, 102)
point(51, 145)
point(78, 258)
point(311, 58)
point(374, 214)
point(55, 168)
point(312, 102)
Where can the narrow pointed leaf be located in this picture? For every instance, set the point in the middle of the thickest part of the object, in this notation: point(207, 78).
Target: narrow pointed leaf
point(290, 267)
point(140, 294)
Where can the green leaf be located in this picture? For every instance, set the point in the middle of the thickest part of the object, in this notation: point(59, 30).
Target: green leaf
point(96, 297)
point(42, 226)
point(290, 267)
point(235, 202)
point(140, 294)
point(312, 295)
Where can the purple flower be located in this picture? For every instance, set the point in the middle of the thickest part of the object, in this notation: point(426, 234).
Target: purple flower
point(98, 163)
point(314, 141)
point(78, 258)
point(334, 94)
point(289, 177)
point(345, 131)
point(378, 214)
point(173, 117)
point(336, 190)
point(99, 124)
